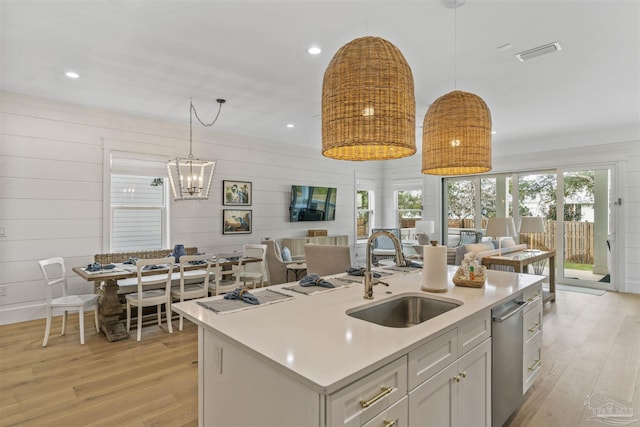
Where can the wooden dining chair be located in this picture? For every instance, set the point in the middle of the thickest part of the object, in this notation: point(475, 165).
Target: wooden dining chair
point(192, 284)
point(161, 294)
point(55, 276)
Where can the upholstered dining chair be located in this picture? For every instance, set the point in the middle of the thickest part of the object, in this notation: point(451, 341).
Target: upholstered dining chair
point(192, 284)
point(254, 272)
point(161, 294)
point(55, 275)
point(276, 266)
point(327, 259)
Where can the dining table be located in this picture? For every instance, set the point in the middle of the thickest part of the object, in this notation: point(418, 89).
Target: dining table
point(105, 280)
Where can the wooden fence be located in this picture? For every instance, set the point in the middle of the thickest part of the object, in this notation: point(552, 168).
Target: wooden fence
point(578, 238)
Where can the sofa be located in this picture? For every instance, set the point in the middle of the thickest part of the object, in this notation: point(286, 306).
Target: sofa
point(486, 248)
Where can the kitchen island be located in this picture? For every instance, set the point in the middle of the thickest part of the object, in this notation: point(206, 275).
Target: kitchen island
point(305, 362)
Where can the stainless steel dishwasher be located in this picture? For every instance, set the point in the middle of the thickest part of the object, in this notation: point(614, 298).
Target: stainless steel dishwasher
point(506, 366)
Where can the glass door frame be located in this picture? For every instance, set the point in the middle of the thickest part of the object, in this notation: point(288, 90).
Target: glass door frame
point(611, 227)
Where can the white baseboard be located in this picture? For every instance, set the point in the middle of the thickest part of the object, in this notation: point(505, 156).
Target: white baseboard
point(24, 313)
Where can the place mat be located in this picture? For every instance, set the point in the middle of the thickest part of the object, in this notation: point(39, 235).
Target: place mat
point(310, 290)
point(226, 306)
point(403, 269)
point(350, 279)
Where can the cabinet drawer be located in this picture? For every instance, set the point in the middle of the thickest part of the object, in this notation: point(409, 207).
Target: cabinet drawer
point(531, 326)
point(531, 363)
point(361, 401)
point(533, 297)
point(395, 416)
point(473, 331)
point(432, 357)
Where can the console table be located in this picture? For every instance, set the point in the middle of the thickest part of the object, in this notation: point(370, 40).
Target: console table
point(520, 262)
point(296, 246)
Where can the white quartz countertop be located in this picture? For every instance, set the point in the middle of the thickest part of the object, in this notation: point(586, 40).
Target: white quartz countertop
point(311, 338)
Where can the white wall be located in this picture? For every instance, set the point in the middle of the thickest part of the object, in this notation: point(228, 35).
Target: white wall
point(52, 171)
point(51, 189)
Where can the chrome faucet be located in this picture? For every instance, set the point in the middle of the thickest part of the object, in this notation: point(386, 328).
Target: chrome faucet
point(368, 274)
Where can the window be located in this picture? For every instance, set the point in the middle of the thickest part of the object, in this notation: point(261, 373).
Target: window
point(137, 212)
point(137, 203)
point(364, 213)
point(460, 202)
point(408, 202)
point(470, 201)
point(365, 205)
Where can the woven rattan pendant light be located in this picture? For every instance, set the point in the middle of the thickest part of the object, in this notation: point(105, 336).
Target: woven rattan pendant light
point(456, 132)
point(368, 103)
point(456, 135)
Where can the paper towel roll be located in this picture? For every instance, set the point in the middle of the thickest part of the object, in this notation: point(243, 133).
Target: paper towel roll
point(434, 270)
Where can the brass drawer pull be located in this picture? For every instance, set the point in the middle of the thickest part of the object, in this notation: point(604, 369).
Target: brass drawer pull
point(388, 423)
point(383, 392)
point(535, 327)
point(536, 365)
point(534, 298)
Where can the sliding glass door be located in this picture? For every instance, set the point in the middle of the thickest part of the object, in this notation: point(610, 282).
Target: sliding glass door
point(575, 205)
point(585, 235)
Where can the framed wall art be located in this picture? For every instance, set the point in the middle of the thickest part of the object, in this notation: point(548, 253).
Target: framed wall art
point(236, 221)
point(236, 193)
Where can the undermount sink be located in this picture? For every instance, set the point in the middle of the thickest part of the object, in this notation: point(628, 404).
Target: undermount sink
point(403, 311)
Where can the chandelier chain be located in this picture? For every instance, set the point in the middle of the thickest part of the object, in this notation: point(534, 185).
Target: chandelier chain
point(192, 112)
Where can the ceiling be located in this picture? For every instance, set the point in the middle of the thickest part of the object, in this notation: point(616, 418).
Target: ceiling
point(147, 58)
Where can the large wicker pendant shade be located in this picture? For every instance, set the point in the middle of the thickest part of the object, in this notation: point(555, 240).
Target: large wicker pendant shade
point(368, 103)
point(456, 135)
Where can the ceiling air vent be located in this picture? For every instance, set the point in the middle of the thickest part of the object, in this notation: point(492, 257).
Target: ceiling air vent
point(538, 51)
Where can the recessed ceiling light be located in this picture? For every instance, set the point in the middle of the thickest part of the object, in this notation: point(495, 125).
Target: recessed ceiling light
point(493, 132)
point(290, 125)
point(314, 50)
point(72, 74)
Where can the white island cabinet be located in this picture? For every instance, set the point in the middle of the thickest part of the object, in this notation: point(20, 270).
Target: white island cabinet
point(305, 362)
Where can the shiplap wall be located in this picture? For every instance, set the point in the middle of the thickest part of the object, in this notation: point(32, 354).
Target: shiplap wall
point(52, 180)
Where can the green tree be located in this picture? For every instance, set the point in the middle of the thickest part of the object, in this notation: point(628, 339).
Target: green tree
point(410, 199)
point(541, 190)
point(461, 197)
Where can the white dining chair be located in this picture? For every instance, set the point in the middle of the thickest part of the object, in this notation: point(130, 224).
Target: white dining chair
point(192, 284)
point(224, 280)
point(254, 272)
point(55, 275)
point(157, 296)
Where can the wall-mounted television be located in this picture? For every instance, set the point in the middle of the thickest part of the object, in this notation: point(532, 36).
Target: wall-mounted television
point(312, 203)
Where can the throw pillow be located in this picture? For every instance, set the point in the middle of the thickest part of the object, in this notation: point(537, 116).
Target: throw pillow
point(471, 247)
point(286, 254)
point(508, 242)
point(479, 247)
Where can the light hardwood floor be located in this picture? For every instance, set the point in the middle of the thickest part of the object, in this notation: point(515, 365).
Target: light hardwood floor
point(591, 345)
